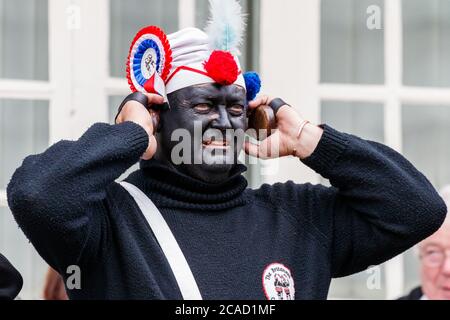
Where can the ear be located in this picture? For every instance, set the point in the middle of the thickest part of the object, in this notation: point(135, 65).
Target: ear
point(163, 115)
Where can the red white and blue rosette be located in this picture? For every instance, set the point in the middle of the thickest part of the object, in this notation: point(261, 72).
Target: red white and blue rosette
point(149, 61)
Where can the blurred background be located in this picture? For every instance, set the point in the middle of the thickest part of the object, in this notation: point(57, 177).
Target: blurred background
point(378, 69)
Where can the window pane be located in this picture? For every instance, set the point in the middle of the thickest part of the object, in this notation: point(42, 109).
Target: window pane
point(411, 272)
point(201, 13)
point(366, 121)
point(426, 52)
point(360, 118)
point(128, 17)
point(23, 131)
point(24, 39)
point(426, 136)
point(350, 52)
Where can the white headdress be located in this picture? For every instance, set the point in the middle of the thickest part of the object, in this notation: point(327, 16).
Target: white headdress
point(191, 56)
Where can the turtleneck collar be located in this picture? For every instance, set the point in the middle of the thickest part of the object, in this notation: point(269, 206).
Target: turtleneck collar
point(171, 189)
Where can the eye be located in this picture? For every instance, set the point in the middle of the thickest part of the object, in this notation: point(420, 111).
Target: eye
point(203, 108)
point(433, 252)
point(236, 109)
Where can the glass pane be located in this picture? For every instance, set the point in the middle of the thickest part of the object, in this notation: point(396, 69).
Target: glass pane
point(426, 137)
point(24, 39)
point(426, 52)
point(24, 130)
point(128, 17)
point(201, 13)
point(350, 51)
point(20, 252)
point(411, 272)
point(359, 118)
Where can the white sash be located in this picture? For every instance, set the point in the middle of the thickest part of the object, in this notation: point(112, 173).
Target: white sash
point(168, 243)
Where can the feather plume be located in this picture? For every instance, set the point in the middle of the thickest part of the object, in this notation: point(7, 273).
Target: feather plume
point(226, 25)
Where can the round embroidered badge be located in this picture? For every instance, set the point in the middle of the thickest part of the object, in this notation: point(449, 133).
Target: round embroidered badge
point(278, 282)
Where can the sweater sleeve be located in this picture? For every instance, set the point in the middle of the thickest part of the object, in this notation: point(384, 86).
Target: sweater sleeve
point(58, 197)
point(379, 205)
point(11, 281)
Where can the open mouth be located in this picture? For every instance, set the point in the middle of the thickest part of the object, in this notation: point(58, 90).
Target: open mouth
point(217, 144)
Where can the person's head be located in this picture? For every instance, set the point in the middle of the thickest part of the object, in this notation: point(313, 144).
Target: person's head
point(208, 115)
point(435, 259)
point(206, 89)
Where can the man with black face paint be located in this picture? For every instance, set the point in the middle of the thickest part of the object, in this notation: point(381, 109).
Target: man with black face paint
point(190, 230)
point(215, 109)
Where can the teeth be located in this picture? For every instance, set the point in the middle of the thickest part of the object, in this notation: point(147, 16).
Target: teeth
point(216, 143)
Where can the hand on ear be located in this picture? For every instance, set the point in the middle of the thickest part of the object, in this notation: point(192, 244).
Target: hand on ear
point(289, 138)
point(144, 116)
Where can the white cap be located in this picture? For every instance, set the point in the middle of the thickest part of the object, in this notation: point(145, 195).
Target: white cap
point(190, 50)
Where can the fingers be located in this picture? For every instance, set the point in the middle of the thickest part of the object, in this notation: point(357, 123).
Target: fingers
point(267, 149)
point(154, 98)
point(261, 100)
point(251, 149)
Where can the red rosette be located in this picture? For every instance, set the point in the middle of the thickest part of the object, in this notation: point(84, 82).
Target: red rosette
point(166, 51)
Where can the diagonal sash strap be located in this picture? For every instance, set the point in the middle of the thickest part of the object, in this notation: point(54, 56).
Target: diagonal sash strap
point(168, 243)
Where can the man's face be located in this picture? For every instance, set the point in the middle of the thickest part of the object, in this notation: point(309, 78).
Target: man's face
point(208, 113)
point(435, 264)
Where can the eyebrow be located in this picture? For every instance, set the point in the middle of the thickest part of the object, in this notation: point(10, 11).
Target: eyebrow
point(207, 89)
point(235, 99)
point(431, 244)
point(215, 95)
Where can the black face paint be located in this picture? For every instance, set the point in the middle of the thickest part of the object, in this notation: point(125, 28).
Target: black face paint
point(215, 109)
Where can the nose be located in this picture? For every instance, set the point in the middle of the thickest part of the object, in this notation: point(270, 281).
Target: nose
point(222, 120)
point(446, 265)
